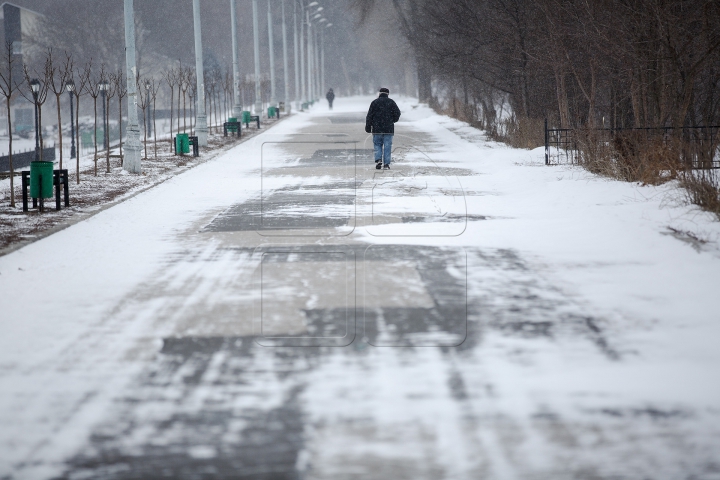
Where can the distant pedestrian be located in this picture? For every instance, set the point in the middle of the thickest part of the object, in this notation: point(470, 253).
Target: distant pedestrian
point(330, 97)
point(380, 121)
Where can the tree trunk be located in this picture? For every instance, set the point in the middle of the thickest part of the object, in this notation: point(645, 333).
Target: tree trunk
point(10, 152)
point(57, 98)
point(77, 137)
point(424, 81)
point(95, 134)
point(120, 126)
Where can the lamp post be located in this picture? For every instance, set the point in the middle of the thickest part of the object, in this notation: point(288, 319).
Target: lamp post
point(201, 129)
point(256, 45)
point(131, 160)
point(70, 87)
point(35, 87)
point(271, 44)
point(316, 54)
point(237, 106)
point(323, 87)
point(286, 74)
point(303, 90)
point(296, 64)
point(103, 87)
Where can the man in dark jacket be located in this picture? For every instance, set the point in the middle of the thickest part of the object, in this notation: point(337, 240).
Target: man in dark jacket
point(330, 97)
point(380, 121)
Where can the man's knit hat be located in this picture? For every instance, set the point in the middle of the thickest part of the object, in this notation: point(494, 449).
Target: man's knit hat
point(384, 90)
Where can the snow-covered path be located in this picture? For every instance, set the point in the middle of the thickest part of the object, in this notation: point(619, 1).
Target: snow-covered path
point(285, 311)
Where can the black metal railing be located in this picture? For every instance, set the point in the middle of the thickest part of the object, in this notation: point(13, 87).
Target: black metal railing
point(696, 147)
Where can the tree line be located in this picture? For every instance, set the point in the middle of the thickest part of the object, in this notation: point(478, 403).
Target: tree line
point(55, 75)
point(612, 63)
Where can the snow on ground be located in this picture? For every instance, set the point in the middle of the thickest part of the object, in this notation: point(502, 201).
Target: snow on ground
point(590, 348)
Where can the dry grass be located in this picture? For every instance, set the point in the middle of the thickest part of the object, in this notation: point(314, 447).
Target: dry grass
point(629, 156)
point(522, 132)
point(702, 188)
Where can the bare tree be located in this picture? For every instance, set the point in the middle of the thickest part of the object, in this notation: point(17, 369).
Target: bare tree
point(152, 92)
point(143, 88)
point(43, 76)
point(79, 90)
point(8, 86)
point(93, 89)
point(58, 79)
point(171, 78)
point(118, 81)
point(109, 94)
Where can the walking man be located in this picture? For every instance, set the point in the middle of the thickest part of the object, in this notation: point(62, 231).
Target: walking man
point(380, 121)
point(330, 97)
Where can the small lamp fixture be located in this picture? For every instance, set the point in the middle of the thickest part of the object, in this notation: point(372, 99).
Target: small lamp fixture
point(70, 86)
point(35, 85)
point(103, 85)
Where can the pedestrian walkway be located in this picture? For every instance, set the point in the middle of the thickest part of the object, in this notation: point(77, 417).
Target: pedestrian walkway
point(288, 311)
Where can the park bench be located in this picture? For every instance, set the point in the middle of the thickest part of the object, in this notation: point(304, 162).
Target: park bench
point(60, 178)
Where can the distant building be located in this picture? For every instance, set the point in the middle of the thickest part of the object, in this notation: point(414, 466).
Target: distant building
point(16, 24)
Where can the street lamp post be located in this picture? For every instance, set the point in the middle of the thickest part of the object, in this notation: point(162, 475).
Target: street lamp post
point(35, 87)
point(286, 74)
point(237, 107)
point(296, 64)
point(201, 129)
point(309, 58)
point(131, 160)
point(256, 44)
point(70, 87)
point(271, 44)
point(303, 91)
point(103, 87)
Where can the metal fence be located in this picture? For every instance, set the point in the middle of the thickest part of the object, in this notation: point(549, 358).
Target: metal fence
point(23, 159)
point(695, 147)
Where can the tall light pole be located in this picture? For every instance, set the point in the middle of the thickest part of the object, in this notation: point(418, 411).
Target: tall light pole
point(316, 50)
point(35, 88)
point(273, 99)
point(256, 41)
point(286, 74)
point(201, 129)
point(70, 87)
point(237, 107)
point(296, 64)
point(303, 92)
point(131, 160)
point(323, 87)
point(309, 58)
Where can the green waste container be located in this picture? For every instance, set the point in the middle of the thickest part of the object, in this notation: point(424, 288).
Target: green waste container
point(246, 117)
point(182, 143)
point(231, 128)
point(46, 170)
point(271, 112)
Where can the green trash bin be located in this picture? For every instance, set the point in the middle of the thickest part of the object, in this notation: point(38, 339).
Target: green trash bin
point(246, 117)
point(182, 143)
point(46, 170)
point(271, 112)
point(231, 128)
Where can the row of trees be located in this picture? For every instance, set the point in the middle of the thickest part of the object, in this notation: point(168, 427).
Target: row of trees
point(617, 63)
point(57, 75)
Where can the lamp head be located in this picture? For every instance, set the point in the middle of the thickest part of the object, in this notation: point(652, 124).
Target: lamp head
point(70, 86)
point(35, 85)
